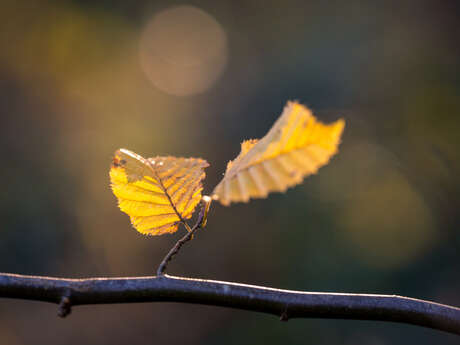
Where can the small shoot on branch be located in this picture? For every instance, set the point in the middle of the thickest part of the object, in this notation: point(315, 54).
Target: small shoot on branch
point(159, 193)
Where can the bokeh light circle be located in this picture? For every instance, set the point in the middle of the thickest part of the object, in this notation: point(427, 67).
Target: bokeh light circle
point(388, 224)
point(382, 214)
point(183, 50)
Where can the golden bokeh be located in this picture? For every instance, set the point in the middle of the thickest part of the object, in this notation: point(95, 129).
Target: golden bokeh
point(388, 224)
point(183, 50)
point(384, 218)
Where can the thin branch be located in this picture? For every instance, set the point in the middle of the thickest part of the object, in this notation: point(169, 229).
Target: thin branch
point(188, 236)
point(283, 303)
point(174, 250)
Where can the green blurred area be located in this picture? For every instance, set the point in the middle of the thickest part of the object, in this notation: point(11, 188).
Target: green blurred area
point(380, 218)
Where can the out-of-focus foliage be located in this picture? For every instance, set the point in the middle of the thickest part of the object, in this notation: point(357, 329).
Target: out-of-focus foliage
point(296, 146)
point(157, 193)
point(382, 218)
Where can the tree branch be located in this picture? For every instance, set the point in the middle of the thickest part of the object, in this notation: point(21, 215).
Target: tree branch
point(284, 303)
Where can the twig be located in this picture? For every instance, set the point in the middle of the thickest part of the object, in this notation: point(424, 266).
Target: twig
point(284, 303)
point(65, 307)
point(188, 236)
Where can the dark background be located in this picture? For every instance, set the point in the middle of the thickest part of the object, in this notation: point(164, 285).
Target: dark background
point(380, 218)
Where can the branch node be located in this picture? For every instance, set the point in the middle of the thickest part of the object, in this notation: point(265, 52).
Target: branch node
point(284, 315)
point(65, 307)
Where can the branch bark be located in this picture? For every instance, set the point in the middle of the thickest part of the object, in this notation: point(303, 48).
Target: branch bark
point(284, 303)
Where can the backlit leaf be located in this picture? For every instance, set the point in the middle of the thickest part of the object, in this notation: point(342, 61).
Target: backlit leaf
point(156, 192)
point(296, 146)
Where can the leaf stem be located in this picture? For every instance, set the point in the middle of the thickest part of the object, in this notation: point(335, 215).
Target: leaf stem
point(187, 226)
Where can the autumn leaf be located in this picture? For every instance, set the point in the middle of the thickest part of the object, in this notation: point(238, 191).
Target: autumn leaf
point(296, 146)
point(157, 193)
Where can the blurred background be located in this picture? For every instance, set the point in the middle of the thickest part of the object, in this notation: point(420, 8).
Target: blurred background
point(80, 79)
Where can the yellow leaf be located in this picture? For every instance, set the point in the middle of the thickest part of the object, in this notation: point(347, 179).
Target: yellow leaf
point(156, 192)
point(296, 146)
